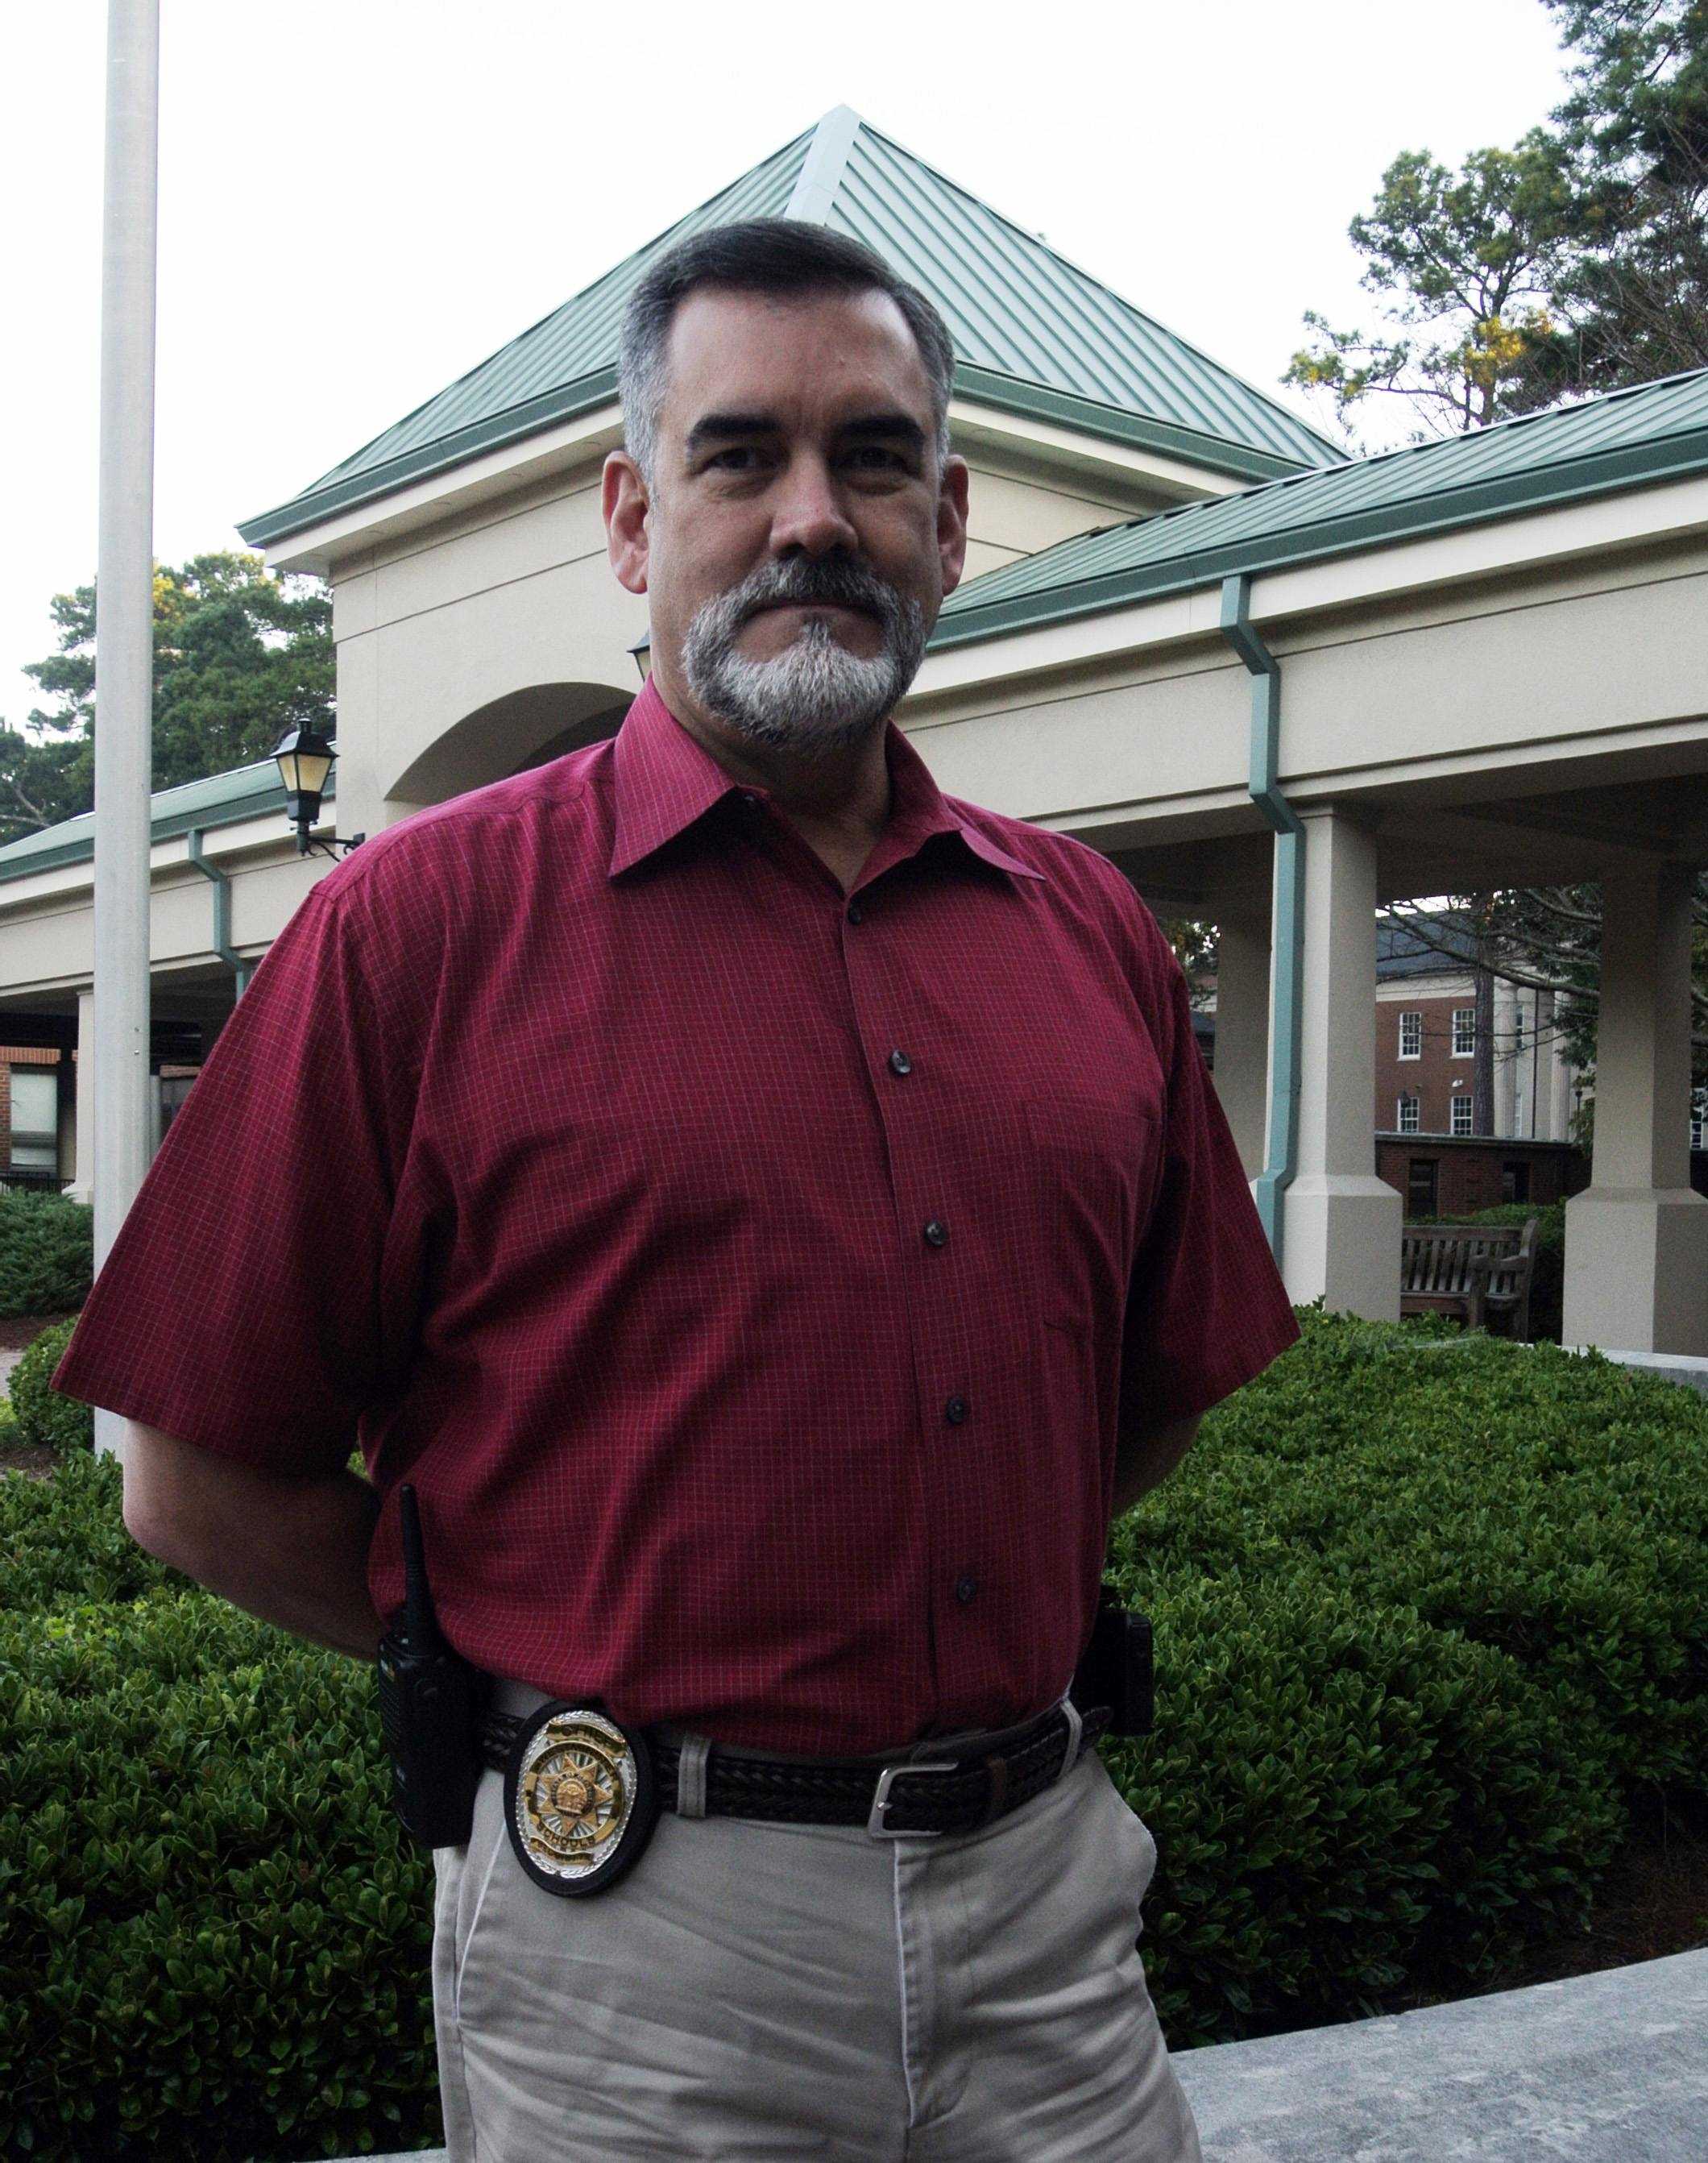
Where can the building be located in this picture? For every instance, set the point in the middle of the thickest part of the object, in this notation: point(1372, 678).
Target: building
point(1277, 688)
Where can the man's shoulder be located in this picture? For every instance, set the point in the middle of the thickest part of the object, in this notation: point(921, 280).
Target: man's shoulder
point(449, 840)
point(1080, 874)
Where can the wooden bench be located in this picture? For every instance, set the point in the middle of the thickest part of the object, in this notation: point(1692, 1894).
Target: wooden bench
point(1475, 1270)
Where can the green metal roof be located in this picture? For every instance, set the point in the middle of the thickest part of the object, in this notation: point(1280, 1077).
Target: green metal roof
point(254, 791)
point(1653, 431)
point(1033, 334)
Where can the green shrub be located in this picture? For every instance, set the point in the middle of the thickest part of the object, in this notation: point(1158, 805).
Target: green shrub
point(47, 1252)
point(43, 1414)
point(1346, 1802)
point(217, 1936)
point(63, 1544)
point(1548, 1505)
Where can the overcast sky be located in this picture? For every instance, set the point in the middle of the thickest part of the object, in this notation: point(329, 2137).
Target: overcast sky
point(361, 199)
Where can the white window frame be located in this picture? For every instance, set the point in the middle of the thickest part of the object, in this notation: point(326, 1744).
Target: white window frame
point(1461, 1097)
point(1415, 1015)
point(1401, 1126)
point(1466, 1049)
point(1699, 1119)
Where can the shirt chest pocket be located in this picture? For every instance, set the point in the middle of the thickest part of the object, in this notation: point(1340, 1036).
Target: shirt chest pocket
point(1095, 1168)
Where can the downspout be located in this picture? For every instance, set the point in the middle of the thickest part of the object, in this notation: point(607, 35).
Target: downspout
point(241, 969)
point(1286, 966)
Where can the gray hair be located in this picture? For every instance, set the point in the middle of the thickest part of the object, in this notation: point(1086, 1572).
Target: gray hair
point(762, 255)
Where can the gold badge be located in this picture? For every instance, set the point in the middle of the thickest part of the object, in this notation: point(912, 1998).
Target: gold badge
point(576, 1785)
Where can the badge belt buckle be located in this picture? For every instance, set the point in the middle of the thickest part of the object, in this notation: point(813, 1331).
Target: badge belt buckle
point(880, 1803)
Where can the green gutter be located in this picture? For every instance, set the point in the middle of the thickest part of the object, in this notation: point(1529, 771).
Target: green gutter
point(1630, 466)
point(1287, 959)
point(240, 969)
point(246, 796)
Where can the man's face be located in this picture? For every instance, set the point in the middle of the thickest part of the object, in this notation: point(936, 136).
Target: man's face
point(798, 539)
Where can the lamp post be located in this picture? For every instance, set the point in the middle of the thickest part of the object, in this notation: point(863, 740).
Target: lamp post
point(304, 759)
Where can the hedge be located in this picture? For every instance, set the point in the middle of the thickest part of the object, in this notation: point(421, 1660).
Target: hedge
point(43, 1415)
point(47, 1252)
point(217, 1936)
point(1430, 1623)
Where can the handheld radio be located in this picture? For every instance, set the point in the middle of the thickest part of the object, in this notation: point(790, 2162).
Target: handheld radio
point(430, 1700)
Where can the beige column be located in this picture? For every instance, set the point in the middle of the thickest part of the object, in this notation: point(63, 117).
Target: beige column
point(1540, 1081)
point(1242, 1025)
point(1340, 1223)
point(1505, 1060)
point(1559, 1083)
point(82, 1185)
point(1636, 1238)
point(65, 1119)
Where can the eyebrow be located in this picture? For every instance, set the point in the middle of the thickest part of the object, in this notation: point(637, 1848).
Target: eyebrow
point(867, 427)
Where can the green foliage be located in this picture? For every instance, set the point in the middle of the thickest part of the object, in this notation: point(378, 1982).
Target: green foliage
point(43, 1415)
point(240, 656)
point(1632, 290)
point(1461, 264)
point(1432, 1616)
point(1576, 262)
point(47, 1252)
point(217, 1936)
point(1348, 1804)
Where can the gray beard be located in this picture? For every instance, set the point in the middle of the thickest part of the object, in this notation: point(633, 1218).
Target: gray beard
point(815, 695)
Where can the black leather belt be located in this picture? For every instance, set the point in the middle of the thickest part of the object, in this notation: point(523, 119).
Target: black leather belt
point(958, 1792)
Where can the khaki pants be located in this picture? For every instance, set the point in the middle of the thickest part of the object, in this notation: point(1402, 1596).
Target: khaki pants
point(753, 1990)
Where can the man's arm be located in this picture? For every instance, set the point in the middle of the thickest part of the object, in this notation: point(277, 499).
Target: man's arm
point(1144, 1461)
point(292, 1551)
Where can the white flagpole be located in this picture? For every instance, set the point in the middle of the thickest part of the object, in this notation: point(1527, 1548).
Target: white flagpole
point(125, 646)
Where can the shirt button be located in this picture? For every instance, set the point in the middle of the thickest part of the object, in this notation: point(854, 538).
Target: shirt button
point(855, 912)
point(900, 1063)
point(749, 800)
point(936, 1234)
point(966, 1590)
point(955, 1410)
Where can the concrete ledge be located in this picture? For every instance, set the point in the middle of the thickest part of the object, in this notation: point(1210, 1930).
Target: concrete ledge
point(1689, 1369)
point(1604, 2068)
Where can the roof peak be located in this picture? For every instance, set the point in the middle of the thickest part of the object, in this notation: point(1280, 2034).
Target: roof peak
point(1033, 331)
point(821, 168)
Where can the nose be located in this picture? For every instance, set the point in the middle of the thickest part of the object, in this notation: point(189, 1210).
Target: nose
point(807, 511)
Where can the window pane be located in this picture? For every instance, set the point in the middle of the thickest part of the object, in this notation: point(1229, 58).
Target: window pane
point(1420, 1187)
point(1461, 1113)
point(35, 1138)
point(1464, 1031)
point(1411, 1035)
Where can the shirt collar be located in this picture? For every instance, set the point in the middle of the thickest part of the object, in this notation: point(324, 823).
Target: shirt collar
point(665, 780)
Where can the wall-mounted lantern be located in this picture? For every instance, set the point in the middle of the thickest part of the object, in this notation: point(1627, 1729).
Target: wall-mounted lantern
point(304, 759)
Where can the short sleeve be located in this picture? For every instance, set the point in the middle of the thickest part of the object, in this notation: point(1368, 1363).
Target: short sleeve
point(249, 1302)
point(1206, 1305)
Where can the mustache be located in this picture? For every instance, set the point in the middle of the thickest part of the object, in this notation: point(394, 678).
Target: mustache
point(837, 582)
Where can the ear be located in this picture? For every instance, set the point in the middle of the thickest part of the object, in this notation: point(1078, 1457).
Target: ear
point(952, 521)
point(624, 501)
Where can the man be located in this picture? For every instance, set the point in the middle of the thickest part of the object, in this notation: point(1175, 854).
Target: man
point(770, 1213)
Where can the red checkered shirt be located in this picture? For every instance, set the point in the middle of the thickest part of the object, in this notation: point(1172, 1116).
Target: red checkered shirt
point(752, 1278)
